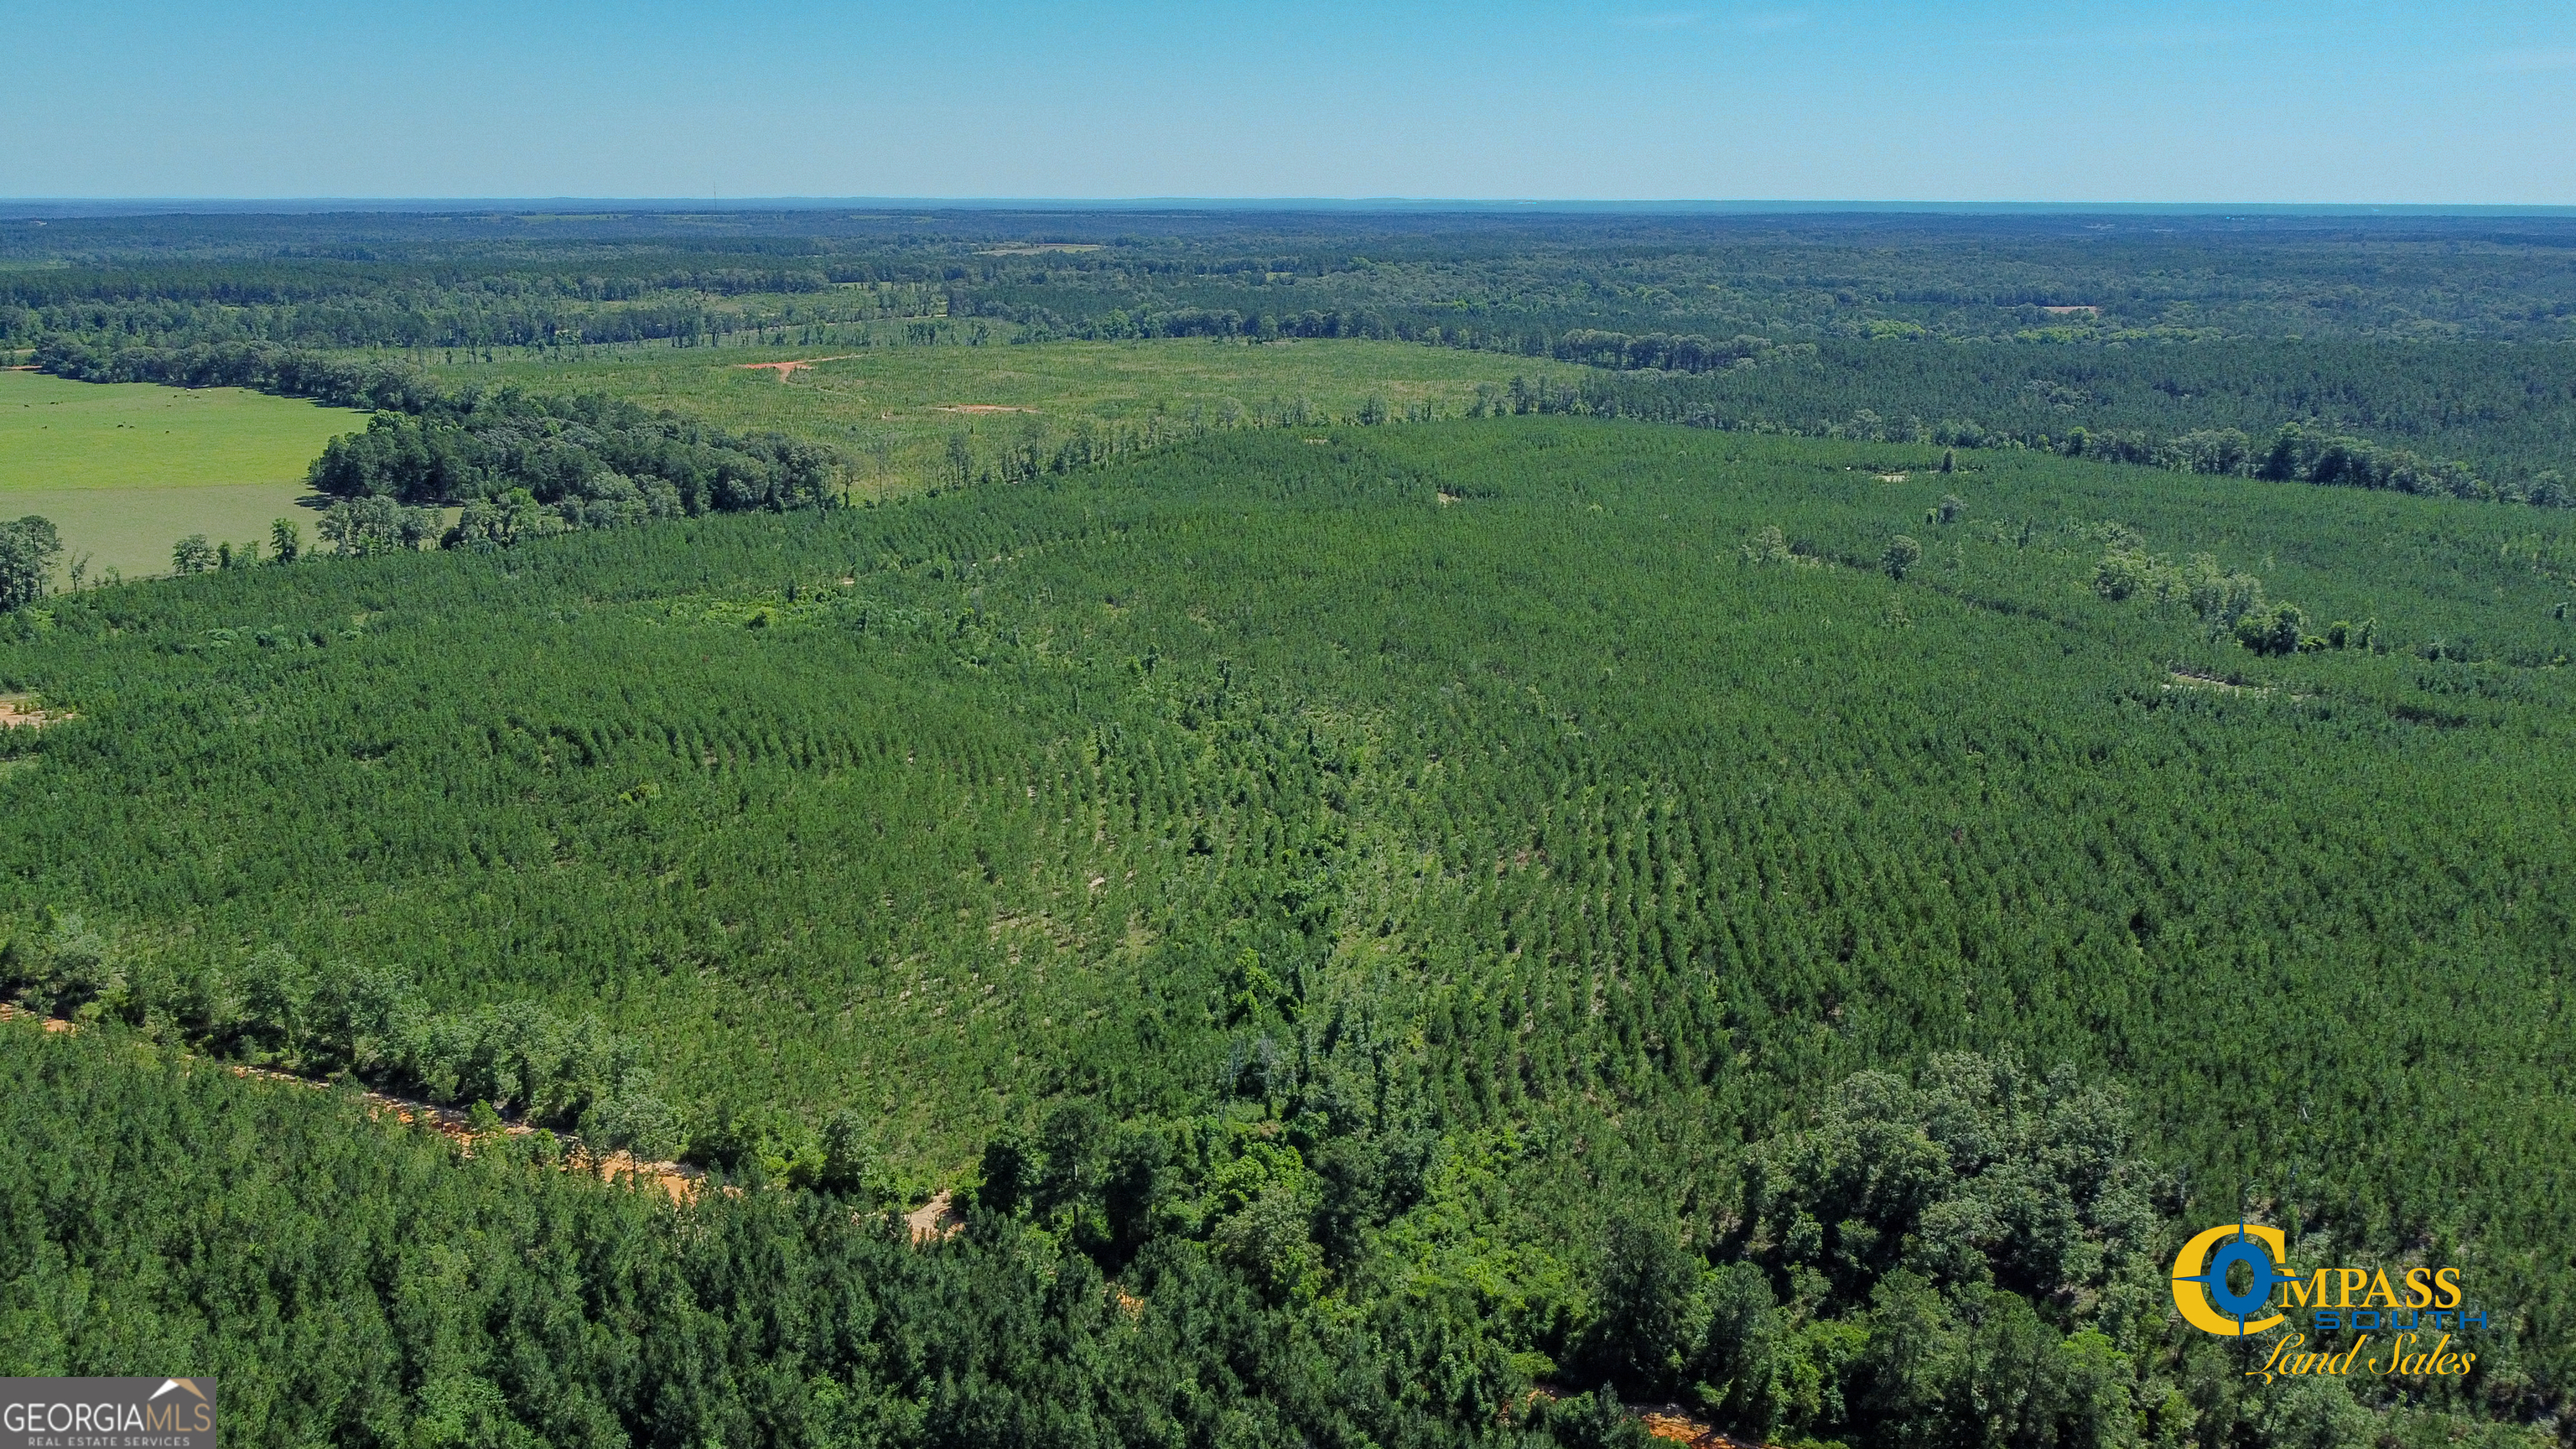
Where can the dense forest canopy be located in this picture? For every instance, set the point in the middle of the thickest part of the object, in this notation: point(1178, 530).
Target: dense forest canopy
point(2447, 339)
point(2500, 277)
point(1777, 862)
point(1441, 892)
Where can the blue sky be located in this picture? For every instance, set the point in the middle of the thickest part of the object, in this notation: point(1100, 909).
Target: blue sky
point(2071, 101)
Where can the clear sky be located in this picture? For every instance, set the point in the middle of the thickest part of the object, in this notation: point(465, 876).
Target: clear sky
point(2077, 100)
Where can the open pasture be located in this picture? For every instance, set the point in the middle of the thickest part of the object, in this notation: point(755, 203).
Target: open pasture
point(125, 469)
point(895, 408)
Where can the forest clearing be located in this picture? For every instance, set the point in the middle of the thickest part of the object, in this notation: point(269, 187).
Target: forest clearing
point(124, 470)
point(893, 409)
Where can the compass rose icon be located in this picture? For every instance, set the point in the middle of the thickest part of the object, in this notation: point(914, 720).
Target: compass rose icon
point(2203, 1269)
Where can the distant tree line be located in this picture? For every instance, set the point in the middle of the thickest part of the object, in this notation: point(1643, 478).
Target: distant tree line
point(1851, 389)
point(497, 301)
point(343, 382)
point(1590, 346)
point(2293, 452)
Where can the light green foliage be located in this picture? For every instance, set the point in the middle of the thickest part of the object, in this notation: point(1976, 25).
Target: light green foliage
point(2218, 597)
point(1469, 870)
point(2281, 629)
point(2226, 603)
point(1396, 914)
point(848, 1157)
point(1769, 546)
point(916, 416)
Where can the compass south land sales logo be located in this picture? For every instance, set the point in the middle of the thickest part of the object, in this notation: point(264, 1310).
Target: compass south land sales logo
point(2232, 1280)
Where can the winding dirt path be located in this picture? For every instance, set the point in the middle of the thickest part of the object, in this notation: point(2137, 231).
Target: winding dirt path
point(678, 1179)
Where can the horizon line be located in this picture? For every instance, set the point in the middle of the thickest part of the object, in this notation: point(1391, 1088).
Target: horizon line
point(39, 207)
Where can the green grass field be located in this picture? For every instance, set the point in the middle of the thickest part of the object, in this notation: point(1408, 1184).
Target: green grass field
point(131, 530)
point(124, 469)
point(894, 407)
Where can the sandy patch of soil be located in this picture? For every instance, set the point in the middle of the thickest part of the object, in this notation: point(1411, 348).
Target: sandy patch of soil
point(787, 369)
point(2089, 311)
point(1669, 1422)
point(1664, 1421)
point(938, 1218)
point(979, 408)
point(20, 710)
point(2186, 679)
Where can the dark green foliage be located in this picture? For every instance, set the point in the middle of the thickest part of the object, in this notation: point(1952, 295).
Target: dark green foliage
point(355, 1283)
point(1961, 1260)
point(2419, 353)
point(593, 460)
point(275, 1010)
point(1958, 1261)
point(1644, 1321)
point(1282, 880)
point(1978, 1176)
point(1950, 396)
point(28, 548)
point(1597, 1420)
point(2281, 629)
point(371, 385)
